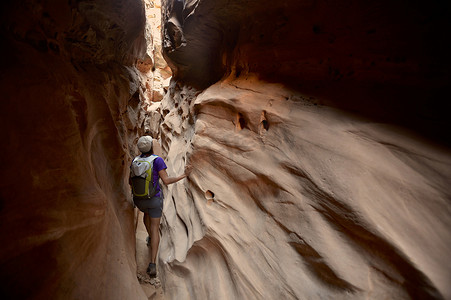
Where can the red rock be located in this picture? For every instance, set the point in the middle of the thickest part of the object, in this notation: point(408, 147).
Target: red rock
point(69, 124)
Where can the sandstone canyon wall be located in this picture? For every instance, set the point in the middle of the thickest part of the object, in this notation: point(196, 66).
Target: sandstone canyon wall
point(154, 72)
point(319, 139)
point(70, 114)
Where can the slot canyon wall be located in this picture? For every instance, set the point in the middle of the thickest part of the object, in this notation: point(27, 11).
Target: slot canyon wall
point(154, 72)
point(70, 115)
point(318, 135)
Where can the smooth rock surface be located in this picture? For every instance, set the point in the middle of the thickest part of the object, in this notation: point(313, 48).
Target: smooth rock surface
point(70, 115)
point(321, 159)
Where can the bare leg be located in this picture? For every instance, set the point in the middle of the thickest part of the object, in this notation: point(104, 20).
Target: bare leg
point(154, 238)
point(146, 220)
point(136, 212)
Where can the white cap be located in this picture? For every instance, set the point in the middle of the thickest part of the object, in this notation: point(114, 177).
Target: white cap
point(145, 143)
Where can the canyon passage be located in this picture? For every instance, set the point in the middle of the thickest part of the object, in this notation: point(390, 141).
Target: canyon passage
point(317, 130)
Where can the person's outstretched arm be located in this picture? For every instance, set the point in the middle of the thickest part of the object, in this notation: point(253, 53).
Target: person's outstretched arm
point(169, 180)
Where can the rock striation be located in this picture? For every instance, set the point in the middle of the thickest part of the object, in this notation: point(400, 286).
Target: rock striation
point(321, 159)
point(154, 70)
point(70, 115)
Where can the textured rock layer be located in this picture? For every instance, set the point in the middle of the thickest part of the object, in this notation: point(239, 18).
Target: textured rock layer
point(316, 131)
point(69, 115)
point(154, 70)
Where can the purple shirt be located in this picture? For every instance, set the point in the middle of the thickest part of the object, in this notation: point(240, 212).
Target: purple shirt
point(158, 165)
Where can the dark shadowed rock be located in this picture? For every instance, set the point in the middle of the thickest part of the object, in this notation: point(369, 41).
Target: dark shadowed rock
point(69, 121)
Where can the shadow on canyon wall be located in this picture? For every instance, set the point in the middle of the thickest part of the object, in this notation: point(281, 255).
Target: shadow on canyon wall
point(70, 116)
point(386, 60)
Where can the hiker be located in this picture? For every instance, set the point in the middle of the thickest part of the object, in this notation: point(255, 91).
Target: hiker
point(145, 172)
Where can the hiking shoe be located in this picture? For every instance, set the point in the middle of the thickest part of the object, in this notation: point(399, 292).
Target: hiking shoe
point(148, 240)
point(152, 270)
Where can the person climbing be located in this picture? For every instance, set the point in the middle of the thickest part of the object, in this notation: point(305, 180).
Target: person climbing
point(147, 194)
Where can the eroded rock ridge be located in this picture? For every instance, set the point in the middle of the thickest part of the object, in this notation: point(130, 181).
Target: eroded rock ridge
point(316, 130)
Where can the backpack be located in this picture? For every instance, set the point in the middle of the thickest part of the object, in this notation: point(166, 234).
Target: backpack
point(141, 177)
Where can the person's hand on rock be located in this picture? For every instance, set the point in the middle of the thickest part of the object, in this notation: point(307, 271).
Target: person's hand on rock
point(188, 170)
